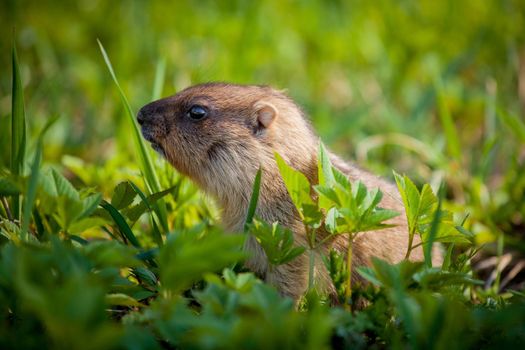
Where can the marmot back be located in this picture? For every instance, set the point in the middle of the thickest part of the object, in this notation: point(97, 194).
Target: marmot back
point(220, 134)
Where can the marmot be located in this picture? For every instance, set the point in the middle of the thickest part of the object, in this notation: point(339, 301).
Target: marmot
point(219, 135)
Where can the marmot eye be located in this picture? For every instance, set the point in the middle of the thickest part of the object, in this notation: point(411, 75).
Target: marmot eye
point(197, 112)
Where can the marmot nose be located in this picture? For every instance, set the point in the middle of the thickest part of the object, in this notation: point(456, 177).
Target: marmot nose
point(141, 118)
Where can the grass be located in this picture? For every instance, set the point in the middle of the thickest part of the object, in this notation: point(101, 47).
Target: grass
point(18, 131)
point(103, 245)
point(150, 175)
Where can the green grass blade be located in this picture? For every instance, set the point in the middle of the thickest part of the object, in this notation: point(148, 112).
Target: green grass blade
point(149, 254)
point(18, 130)
point(147, 166)
point(160, 74)
point(434, 227)
point(141, 194)
point(152, 181)
point(157, 236)
point(156, 232)
point(253, 200)
point(121, 223)
point(39, 225)
point(30, 196)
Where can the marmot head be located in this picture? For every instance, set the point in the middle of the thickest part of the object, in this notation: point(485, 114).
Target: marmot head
point(220, 134)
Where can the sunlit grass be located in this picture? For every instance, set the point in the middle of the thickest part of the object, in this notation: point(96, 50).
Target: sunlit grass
point(149, 172)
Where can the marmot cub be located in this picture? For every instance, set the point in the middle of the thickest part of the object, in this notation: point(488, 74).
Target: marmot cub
point(220, 134)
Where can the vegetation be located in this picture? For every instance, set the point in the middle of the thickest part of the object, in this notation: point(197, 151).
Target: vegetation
point(103, 245)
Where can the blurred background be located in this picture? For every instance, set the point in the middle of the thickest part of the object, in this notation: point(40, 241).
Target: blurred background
point(433, 89)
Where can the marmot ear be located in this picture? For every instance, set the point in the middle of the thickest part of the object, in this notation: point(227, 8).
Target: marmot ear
point(265, 114)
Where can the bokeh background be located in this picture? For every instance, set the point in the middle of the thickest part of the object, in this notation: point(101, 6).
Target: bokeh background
point(433, 89)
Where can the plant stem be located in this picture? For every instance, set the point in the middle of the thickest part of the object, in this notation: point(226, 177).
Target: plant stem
point(410, 241)
point(310, 234)
point(7, 210)
point(348, 291)
point(499, 250)
point(311, 269)
point(326, 239)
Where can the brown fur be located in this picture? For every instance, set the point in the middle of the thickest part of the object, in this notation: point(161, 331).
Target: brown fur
point(223, 152)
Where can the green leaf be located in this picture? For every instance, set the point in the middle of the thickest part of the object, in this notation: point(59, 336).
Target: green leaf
point(296, 184)
point(380, 215)
point(467, 234)
point(433, 232)
point(188, 255)
point(446, 232)
point(312, 215)
point(435, 279)
point(396, 276)
point(427, 201)
point(369, 274)
point(253, 200)
point(242, 282)
point(103, 254)
point(324, 167)
point(120, 299)
point(298, 188)
point(78, 239)
point(133, 213)
point(122, 225)
point(62, 187)
point(329, 197)
point(341, 179)
point(276, 240)
point(123, 195)
point(146, 275)
point(18, 130)
point(9, 188)
point(147, 203)
point(359, 192)
point(82, 225)
point(90, 204)
point(356, 209)
point(419, 207)
point(336, 265)
point(148, 254)
point(68, 211)
point(331, 220)
point(410, 196)
point(63, 201)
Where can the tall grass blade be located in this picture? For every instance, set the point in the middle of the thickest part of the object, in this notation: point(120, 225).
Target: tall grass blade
point(152, 181)
point(499, 251)
point(30, 196)
point(147, 166)
point(253, 200)
point(121, 223)
point(156, 232)
point(160, 75)
point(18, 130)
point(434, 227)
